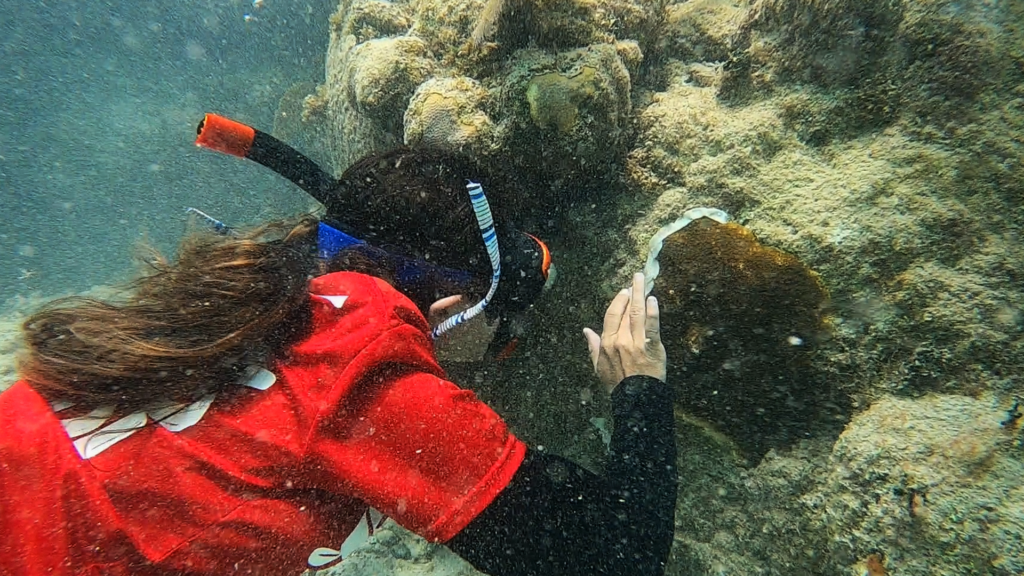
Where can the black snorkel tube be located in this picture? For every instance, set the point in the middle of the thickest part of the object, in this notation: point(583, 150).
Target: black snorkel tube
point(237, 139)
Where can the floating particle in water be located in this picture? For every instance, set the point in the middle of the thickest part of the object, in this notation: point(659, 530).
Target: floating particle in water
point(132, 41)
point(194, 51)
point(586, 396)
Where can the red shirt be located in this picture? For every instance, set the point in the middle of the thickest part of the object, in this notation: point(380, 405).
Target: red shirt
point(360, 416)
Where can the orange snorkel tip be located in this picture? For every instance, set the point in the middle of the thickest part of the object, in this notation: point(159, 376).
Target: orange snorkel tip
point(225, 135)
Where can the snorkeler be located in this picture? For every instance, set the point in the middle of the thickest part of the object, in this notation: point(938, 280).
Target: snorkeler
point(233, 416)
point(410, 205)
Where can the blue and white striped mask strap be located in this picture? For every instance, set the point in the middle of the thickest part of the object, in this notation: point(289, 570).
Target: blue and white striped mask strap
point(218, 226)
point(482, 210)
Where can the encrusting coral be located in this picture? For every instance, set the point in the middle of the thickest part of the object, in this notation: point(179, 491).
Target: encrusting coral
point(555, 98)
point(933, 483)
point(383, 74)
point(448, 114)
point(567, 115)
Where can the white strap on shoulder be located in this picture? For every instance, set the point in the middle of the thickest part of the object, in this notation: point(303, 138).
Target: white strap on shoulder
point(92, 434)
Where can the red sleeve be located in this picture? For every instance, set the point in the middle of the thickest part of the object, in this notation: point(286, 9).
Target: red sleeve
point(53, 521)
point(395, 433)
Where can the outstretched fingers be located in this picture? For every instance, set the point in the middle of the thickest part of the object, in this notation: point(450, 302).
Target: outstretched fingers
point(630, 342)
point(637, 310)
point(652, 324)
point(613, 316)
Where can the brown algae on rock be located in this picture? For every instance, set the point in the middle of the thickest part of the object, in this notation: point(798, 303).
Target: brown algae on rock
point(739, 321)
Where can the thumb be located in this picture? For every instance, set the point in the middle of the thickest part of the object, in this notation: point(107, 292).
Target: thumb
point(593, 343)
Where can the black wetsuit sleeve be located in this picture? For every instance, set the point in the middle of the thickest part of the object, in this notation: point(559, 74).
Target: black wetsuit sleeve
point(556, 518)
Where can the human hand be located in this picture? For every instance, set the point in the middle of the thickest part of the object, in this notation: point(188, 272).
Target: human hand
point(630, 342)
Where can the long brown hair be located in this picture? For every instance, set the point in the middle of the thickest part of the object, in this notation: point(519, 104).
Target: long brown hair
point(188, 327)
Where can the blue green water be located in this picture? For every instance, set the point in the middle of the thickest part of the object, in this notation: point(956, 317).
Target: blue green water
point(98, 107)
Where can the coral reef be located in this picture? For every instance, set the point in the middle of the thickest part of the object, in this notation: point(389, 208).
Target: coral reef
point(555, 98)
point(701, 30)
point(448, 114)
point(894, 220)
point(732, 519)
point(931, 485)
point(560, 24)
point(383, 73)
point(568, 114)
point(901, 186)
point(369, 19)
point(351, 115)
point(693, 141)
point(557, 108)
point(932, 58)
